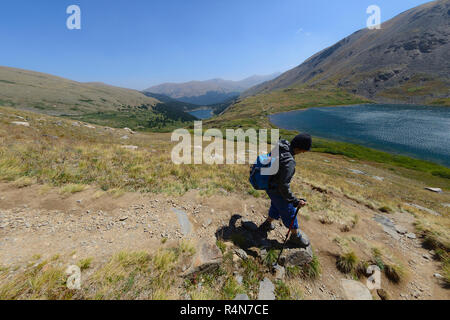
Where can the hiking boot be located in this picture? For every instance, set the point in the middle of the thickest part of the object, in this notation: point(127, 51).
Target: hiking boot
point(299, 240)
point(267, 226)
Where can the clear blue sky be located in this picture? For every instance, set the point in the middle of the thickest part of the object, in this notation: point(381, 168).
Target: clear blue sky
point(138, 43)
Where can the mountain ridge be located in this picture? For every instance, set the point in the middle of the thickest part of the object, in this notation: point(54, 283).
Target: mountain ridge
point(406, 61)
point(208, 92)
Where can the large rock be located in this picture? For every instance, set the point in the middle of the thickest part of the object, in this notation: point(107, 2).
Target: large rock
point(207, 258)
point(266, 290)
point(129, 130)
point(279, 272)
point(354, 290)
point(241, 254)
point(401, 229)
point(183, 220)
point(298, 257)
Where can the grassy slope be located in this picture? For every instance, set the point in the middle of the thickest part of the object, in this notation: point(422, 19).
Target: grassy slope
point(48, 94)
point(255, 109)
point(160, 118)
point(91, 102)
point(419, 86)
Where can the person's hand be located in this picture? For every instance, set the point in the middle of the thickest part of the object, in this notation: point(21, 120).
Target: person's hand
point(302, 203)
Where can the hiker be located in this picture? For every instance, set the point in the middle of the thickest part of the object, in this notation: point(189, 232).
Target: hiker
point(284, 204)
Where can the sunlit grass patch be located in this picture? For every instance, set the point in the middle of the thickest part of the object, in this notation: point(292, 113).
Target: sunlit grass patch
point(231, 288)
point(395, 272)
point(45, 280)
point(282, 291)
point(85, 263)
point(73, 188)
point(347, 262)
point(23, 182)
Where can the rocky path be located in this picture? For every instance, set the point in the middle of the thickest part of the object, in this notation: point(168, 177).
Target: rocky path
point(88, 224)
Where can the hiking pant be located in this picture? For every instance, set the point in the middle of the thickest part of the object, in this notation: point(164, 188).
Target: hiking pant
point(280, 208)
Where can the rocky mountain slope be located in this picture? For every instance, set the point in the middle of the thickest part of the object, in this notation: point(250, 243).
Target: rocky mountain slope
point(407, 60)
point(208, 92)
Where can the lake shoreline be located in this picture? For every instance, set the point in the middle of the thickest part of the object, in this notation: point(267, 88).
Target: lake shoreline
point(361, 104)
point(434, 153)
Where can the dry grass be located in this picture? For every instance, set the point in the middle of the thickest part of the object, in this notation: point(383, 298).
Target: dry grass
point(44, 280)
point(127, 275)
point(347, 262)
point(54, 152)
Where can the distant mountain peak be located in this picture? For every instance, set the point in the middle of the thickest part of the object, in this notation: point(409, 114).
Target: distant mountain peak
point(208, 92)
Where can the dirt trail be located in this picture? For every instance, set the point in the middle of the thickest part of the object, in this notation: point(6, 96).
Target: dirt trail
point(35, 220)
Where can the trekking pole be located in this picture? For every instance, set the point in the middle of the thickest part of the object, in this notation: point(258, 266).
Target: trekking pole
point(287, 236)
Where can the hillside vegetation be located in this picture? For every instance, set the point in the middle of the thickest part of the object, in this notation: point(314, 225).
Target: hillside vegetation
point(253, 111)
point(48, 94)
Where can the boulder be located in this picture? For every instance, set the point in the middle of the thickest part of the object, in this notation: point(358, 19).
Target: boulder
point(401, 229)
point(354, 290)
point(184, 222)
point(279, 272)
point(437, 190)
point(129, 130)
point(241, 254)
point(266, 290)
point(392, 232)
point(207, 258)
point(298, 257)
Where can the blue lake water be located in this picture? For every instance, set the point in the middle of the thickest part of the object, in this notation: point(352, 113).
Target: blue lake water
point(202, 114)
point(421, 132)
